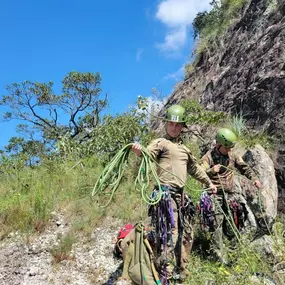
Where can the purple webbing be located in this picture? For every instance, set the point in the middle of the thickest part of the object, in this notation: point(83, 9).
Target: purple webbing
point(163, 231)
point(171, 213)
point(163, 225)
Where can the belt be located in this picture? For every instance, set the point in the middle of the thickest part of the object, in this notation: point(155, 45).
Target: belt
point(173, 190)
point(170, 188)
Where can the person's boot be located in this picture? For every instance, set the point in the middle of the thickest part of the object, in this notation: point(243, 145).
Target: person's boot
point(184, 273)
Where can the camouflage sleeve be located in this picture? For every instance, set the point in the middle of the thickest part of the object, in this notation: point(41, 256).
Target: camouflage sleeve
point(244, 168)
point(205, 163)
point(155, 148)
point(197, 171)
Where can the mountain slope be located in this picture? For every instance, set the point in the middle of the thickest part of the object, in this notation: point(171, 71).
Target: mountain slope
point(243, 71)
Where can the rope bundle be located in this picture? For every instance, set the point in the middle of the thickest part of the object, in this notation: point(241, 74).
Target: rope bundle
point(112, 175)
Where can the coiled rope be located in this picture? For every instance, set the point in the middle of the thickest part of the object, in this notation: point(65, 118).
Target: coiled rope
point(112, 175)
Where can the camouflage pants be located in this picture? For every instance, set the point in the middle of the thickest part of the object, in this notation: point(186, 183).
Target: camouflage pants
point(182, 234)
point(217, 236)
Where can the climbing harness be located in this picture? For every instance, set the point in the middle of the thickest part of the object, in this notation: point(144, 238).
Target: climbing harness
point(163, 224)
point(162, 221)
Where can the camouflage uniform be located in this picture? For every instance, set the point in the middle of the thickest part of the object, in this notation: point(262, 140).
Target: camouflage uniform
point(226, 181)
point(174, 157)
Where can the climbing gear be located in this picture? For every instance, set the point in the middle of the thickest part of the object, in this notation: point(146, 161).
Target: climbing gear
point(187, 207)
point(163, 223)
point(175, 113)
point(239, 216)
point(226, 138)
point(139, 260)
point(123, 232)
point(162, 220)
point(206, 211)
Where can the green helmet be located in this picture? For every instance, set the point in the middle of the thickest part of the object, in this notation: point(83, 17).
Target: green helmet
point(226, 138)
point(175, 113)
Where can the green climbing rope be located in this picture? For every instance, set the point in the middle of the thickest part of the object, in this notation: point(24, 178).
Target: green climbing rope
point(109, 180)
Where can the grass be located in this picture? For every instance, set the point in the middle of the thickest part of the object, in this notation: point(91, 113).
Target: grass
point(249, 138)
point(244, 263)
point(30, 195)
point(238, 124)
point(63, 250)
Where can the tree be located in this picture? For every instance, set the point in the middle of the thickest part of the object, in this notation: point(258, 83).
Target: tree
point(204, 19)
point(199, 22)
point(51, 115)
point(113, 133)
point(214, 22)
point(30, 150)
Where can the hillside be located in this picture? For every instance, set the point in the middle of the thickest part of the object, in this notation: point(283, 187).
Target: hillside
point(54, 232)
point(243, 72)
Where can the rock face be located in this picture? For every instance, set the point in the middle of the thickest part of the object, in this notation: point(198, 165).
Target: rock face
point(263, 166)
point(244, 72)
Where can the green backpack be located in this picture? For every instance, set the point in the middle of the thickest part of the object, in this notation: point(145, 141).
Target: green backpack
point(138, 263)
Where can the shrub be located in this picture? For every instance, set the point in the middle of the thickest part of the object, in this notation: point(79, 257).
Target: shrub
point(211, 25)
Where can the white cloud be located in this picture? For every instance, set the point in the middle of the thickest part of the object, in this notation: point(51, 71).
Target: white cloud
point(154, 106)
point(175, 13)
point(178, 15)
point(139, 54)
point(177, 75)
point(174, 40)
point(155, 103)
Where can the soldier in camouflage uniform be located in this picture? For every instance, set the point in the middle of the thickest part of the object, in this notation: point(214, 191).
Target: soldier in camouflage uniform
point(220, 164)
point(176, 161)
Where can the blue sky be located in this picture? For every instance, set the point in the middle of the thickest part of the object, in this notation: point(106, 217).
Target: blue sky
point(136, 45)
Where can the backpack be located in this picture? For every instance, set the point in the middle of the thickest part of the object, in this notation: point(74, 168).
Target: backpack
point(123, 232)
point(139, 260)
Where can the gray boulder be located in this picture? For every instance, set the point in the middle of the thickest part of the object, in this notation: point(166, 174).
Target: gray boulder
point(263, 166)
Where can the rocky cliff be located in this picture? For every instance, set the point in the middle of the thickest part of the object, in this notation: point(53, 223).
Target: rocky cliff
point(244, 71)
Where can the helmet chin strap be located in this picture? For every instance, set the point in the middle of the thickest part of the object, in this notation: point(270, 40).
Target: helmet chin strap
point(218, 148)
point(169, 137)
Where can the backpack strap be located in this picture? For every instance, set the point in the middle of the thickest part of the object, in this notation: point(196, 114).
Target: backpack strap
point(151, 255)
point(144, 242)
point(127, 261)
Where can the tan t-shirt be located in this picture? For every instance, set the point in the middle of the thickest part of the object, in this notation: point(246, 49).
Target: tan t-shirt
point(175, 160)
